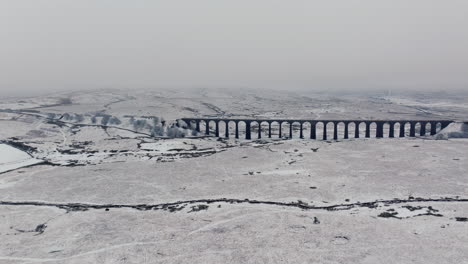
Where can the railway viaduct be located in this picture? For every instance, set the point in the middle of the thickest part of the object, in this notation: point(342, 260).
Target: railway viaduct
point(421, 125)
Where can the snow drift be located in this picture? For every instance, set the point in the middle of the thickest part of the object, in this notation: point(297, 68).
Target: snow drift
point(12, 158)
point(454, 130)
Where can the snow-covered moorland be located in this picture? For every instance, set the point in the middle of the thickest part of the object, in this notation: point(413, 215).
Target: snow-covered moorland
point(107, 177)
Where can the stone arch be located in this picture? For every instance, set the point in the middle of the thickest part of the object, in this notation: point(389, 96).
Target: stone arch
point(362, 129)
point(417, 128)
point(423, 128)
point(295, 129)
point(401, 129)
point(284, 129)
point(229, 128)
point(438, 126)
point(396, 129)
point(221, 128)
point(254, 127)
point(266, 126)
point(211, 126)
point(194, 125)
point(203, 125)
point(386, 129)
point(274, 128)
point(263, 126)
point(259, 128)
point(241, 128)
point(351, 129)
point(216, 127)
point(341, 127)
point(406, 128)
point(372, 129)
point(305, 129)
point(319, 130)
point(428, 128)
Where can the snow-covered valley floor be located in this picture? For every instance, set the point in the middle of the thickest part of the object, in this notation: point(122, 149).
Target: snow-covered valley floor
point(108, 195)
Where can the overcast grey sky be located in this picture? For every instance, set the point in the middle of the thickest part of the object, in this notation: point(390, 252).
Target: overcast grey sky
point(348, 44)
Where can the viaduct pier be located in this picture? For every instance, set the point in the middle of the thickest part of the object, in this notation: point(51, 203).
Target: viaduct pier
point(346, 128)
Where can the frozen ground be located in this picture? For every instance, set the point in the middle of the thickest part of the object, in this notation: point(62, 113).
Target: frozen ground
point(114, 194)
point(12, 158)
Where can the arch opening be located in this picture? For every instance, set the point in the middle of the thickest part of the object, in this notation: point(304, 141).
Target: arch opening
point(341, 129)
point(351, 129)
point(386, 130)
point(319, 130)
point(362, 130)
point(275, 129)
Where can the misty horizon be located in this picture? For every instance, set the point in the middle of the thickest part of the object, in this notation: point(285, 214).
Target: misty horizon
point(305, 45)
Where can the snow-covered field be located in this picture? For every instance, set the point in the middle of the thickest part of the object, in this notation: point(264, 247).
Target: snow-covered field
point(12, 158)
point(84, 192)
